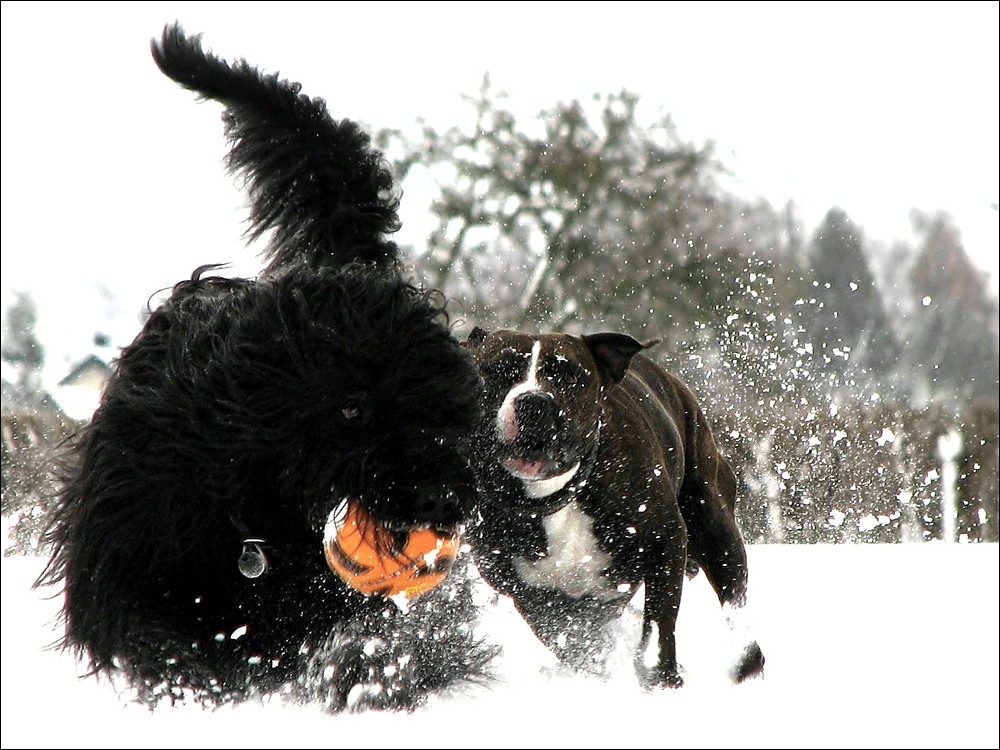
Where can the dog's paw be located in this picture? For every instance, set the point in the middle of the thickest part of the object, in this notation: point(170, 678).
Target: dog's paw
point(384, 659)
point(365, 696)
point(749, 665)
point(656, 678)
point(341, 675)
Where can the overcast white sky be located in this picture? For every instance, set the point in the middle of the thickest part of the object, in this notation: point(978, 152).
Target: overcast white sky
point(112, 175)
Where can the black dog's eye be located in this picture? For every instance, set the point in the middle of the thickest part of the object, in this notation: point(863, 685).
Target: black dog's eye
point(351, 410)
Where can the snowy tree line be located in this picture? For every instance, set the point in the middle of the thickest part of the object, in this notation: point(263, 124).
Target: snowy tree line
point(866, 474)
point(595, 220)
point(853, 385)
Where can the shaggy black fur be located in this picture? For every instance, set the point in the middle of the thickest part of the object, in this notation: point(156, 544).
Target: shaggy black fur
point(247, 409)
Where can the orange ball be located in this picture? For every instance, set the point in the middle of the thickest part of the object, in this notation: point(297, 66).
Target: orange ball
point(367, 556)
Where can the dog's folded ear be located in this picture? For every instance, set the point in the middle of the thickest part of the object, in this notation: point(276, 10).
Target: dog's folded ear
point(476, 337)
point(613, 353)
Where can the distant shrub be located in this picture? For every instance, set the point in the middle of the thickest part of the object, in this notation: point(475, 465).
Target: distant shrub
point(862, 473)
point(27, 479)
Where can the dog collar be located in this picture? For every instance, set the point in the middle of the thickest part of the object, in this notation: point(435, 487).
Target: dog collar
point(539, 488)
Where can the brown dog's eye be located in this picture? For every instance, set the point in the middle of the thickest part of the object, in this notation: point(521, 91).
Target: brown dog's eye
point(565, 371)
point(504, 369)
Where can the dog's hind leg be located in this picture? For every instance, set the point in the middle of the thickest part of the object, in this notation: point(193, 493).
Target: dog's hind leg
point(715, 544)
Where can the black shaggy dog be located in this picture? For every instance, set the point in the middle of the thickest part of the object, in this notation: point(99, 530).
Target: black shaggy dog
point(188, 536)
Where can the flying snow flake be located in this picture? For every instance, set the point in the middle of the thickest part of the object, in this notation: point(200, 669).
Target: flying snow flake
point(238, 633)
point(887, 436)
point(869, 522)
point(402, 601)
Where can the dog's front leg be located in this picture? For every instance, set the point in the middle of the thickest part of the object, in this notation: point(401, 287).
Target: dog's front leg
point(386, 659)
point(574, 629)
point(662, 603)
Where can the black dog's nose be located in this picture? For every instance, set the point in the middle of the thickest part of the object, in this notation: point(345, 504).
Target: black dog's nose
point(446, 508)
point(536, 414)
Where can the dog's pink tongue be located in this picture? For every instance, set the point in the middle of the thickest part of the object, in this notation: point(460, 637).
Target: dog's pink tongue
point(523, 469)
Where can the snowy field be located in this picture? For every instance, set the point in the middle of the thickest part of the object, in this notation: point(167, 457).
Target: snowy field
point(866, 646)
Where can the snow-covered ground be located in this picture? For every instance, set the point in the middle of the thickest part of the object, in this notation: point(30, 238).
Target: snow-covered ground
point(866, 646)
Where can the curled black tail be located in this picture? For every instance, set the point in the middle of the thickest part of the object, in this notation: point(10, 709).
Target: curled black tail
point(317, 183)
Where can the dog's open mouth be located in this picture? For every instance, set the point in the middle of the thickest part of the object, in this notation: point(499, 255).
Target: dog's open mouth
point(537, 466)
point(374, 560)
point(530, 469)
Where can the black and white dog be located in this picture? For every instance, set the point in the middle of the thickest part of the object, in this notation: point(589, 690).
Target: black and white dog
point(188, 536)
point(599, 473)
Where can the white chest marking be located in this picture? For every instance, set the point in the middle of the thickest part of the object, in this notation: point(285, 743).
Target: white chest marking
point(575, 563)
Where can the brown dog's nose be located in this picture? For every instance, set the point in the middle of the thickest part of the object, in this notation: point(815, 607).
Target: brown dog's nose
point(536, 416)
